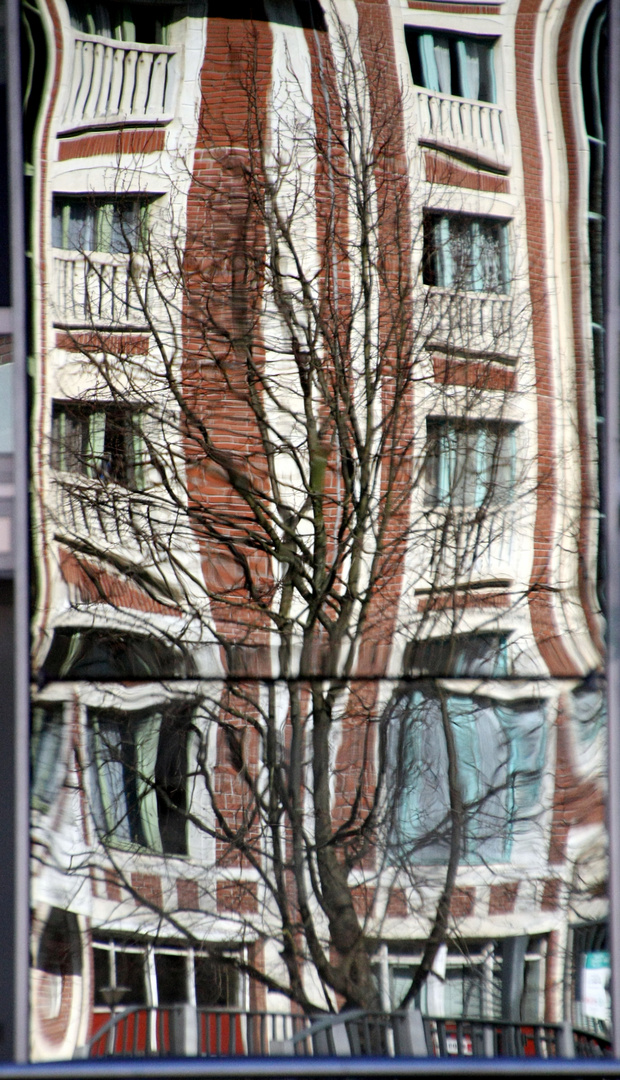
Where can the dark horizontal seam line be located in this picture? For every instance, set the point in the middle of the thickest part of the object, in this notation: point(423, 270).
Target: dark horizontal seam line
point(330, 678)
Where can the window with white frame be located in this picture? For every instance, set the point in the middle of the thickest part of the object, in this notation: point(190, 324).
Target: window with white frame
point(470, 985)
point(457, 64)
point(176, 975)
point(469, 463)
point(99, 223)
point(100, 441)
point(146, 23)
point(46, 744)
point(466, 252)
point(139, 770)
point(500, 754)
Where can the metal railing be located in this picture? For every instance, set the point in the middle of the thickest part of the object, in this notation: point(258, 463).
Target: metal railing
point(114, 81)
point(183, 1030)
point(473, 128)
point(99, 290)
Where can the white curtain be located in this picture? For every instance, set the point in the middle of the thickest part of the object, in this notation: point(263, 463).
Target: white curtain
point(468, 51)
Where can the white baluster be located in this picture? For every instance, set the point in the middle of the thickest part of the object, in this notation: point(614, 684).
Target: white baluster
point(129, 82)
point(468, 114)
point(433, 104)
point(95, 81)
point(101, 108)
point(157, 94)
point(116, 82)
point(497, 134)
point(444, 113)
point(76, 80)
point(143, 78)
point(87, 70)
point(485, 126)
point(455, 120)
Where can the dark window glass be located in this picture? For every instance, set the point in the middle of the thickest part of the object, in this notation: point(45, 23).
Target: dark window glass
point(477, 655)
point(105, 655)
point(171, 786)
point(94, 223)
point(217, 985)
point(144, 23)
point(99, 441)
point(460, 65)
point(101, 961)
point(463, 252)
point(171, 978)
point(130, 972)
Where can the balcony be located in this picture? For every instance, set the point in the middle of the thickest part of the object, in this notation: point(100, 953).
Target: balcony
point(472, 129)
point(492, 323)
point(183, 1030)
point(99, 291)
point(117, 82)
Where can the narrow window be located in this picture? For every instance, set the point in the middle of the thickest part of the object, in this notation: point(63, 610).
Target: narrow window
point(451, 64)
point(467, 253)
point(45, 752)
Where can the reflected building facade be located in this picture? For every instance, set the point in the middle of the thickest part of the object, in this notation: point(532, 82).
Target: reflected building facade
point(179, 252)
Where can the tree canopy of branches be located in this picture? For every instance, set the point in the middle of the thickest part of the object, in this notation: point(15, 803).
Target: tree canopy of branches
point(262, 492)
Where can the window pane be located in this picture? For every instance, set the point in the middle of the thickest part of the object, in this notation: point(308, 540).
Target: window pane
point(101, 959)
point(130, 973)
point(216, 984)
point(45, 749)
point(171, 781)
point(81, 226)
point(171, 978)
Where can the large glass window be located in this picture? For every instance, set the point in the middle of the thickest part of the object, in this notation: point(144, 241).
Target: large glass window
point(139, 779)
point(469, 463)
point(146, 23)
point(497, 752)
point(96, 223)
point(452, 64)
point(99, 441)
point(465, 252)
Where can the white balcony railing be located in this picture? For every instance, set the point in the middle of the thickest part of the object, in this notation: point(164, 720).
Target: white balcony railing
point(99, 290)
point(482, 322)
point(117, 81)
point(472, 128)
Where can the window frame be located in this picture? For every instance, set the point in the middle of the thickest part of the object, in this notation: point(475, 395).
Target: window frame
point(446, 466)
point(97, 421)
point(422, 42)
point(444, 231)
point(100, 223)
point(129, 781)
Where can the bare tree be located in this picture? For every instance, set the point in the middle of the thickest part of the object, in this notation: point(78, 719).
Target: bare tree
point(270, 497)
